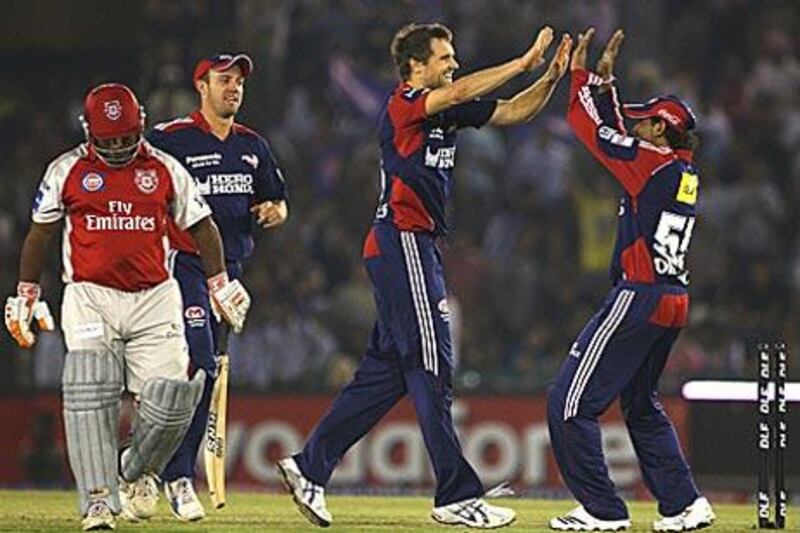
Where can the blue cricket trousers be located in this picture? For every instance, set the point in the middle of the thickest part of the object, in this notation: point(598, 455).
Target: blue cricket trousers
point(200, 336)
point(621, 352)
point(409, 353)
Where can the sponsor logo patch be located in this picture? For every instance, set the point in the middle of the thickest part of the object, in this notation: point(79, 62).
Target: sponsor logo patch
point(112, 109)
point(146, 180)
point(204, 160)
point(251, 159)
point(93, 182)
point(195, 316)
point(444, 309)
point(687, 192)
point(88, 331)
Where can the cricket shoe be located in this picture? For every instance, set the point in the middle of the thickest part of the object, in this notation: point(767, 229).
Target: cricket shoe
point(579, 519)
point(183, 500)
point(307, 495)
point(697, 515)
point(475, 513)
point(138, 498)
point(99, 516)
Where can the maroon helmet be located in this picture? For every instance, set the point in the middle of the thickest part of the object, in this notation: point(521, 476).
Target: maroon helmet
point(114, 123)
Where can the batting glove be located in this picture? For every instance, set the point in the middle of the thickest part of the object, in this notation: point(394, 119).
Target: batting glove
point(229, 299)
point(20, 311)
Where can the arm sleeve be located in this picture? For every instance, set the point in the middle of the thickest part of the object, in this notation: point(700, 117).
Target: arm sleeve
point(48, 204)
point(472, 114)
point(270, 183)
point(596, 122)
point(188, 206)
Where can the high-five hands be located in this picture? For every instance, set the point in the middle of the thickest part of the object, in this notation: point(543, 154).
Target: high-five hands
point(579, 55)
point(535, 54)
point(605, 66)
point(558, 65)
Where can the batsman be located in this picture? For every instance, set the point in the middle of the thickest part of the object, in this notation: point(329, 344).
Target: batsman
point(121, 312)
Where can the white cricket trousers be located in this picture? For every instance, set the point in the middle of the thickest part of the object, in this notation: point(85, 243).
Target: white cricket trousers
point(143, 328)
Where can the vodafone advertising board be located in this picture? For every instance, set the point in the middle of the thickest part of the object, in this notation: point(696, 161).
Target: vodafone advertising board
point(504, 437)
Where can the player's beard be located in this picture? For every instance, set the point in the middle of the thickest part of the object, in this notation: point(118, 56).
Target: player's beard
point(226, 109)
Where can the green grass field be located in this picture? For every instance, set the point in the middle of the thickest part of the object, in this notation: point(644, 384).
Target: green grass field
point(55, 511)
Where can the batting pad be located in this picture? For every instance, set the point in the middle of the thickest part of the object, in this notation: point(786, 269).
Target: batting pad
point(92, 382)
point(165, 411)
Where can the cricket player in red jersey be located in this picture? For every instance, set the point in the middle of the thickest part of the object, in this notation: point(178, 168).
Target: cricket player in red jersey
point(410, 351)
point(122, 313)
point(624, 347)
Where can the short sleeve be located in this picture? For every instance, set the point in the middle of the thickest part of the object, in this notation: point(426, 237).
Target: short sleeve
point(270, 183)
point(48, 204)
point(188, 205)
point(473, 114)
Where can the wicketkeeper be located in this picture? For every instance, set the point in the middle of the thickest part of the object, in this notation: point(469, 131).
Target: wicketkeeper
point(121, 313)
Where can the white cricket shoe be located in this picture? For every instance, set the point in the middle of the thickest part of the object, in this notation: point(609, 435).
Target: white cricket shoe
point(183, 500)
point(99, 516)
point(307, 495)
point(475, 513)
point(579, 519)
point(697, 515)
point(138, 498)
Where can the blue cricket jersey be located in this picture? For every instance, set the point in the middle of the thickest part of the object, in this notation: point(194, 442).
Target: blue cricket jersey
point(232, 175)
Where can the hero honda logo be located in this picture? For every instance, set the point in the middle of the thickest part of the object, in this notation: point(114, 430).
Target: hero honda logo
point(146, 180)
point(112, 109)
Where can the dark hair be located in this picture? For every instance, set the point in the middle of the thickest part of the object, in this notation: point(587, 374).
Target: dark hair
point(413, 41)
point(679, 140)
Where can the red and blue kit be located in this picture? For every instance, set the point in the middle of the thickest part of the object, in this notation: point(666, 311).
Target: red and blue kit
point(410, 350)
point(232, 175)
point(622, 350)
point(418, 155)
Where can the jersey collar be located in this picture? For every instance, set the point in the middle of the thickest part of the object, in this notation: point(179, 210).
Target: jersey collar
point(200, 121)
point(684, 154)
point(205, 127)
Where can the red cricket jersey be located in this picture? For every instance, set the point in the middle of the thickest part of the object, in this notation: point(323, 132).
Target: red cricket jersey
point(116, 218)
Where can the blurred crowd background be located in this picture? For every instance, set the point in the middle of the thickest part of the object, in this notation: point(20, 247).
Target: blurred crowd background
point(533, 216)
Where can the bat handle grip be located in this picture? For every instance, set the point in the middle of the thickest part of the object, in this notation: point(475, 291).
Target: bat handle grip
point(223, 334)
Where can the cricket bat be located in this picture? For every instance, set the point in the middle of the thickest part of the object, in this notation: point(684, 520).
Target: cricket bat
point(214, 451)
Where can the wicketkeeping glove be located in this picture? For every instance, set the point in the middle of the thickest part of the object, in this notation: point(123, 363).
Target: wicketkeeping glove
point(20, 311)
point(229, 299)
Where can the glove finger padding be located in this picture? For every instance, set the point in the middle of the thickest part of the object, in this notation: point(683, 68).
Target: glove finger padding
point(232, 301)
point(18, 318)
point(44, 319)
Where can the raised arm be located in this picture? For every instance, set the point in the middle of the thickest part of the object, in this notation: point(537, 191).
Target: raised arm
point(485, 81)
point(526, 104)
point(596, 121)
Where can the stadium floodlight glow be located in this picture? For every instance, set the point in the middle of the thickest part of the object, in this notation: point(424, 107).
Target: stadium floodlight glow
point(733, 391)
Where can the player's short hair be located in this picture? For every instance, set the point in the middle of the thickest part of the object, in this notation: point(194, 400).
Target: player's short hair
point(413, 41)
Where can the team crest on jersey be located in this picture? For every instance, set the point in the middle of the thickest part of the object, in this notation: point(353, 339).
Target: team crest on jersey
point(93, 182)
point(146, 180)
point(251, 159)
point(112, 109)
point(195, 316)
